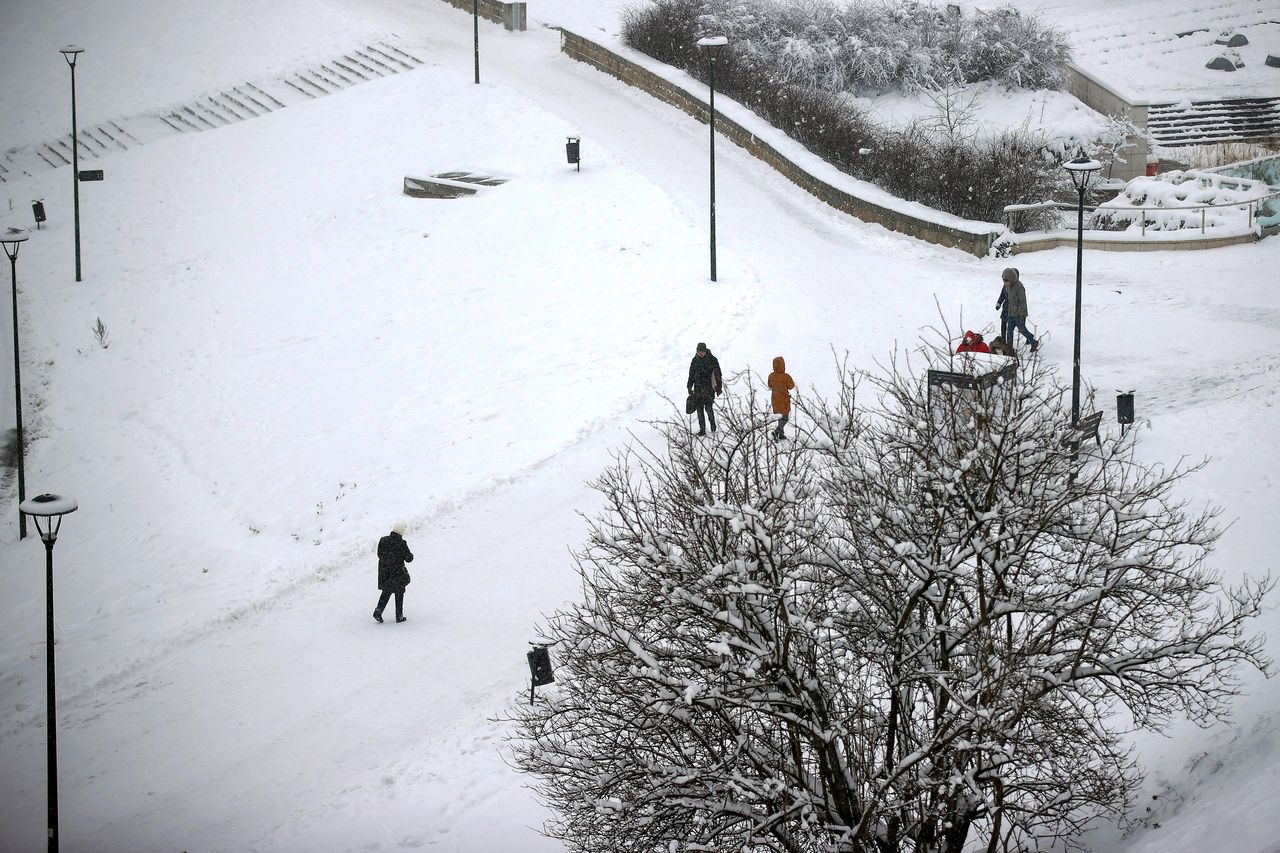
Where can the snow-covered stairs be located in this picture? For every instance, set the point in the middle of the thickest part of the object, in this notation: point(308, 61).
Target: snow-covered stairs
point(217, 109)
point(1208, 122)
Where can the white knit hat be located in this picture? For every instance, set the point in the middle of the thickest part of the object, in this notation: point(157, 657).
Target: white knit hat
point(398, 527)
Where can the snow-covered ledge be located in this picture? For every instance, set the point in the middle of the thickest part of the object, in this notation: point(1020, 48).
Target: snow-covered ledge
point(805, 169)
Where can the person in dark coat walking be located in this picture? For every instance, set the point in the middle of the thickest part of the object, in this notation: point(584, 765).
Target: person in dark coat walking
point(1014, 297)
point(705, 384)
point(393, 577)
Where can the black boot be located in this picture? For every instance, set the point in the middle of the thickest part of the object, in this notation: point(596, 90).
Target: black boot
point(377, 617)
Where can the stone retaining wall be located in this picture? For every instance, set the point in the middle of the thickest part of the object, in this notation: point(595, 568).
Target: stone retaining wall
point(511, 16)
point(490, 10)
point(603, 59)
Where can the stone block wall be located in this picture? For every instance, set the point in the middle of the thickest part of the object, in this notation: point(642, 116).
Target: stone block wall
point(584, 50)
point(490, 10)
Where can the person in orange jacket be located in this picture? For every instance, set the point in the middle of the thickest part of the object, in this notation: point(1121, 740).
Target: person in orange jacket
point(780, 384)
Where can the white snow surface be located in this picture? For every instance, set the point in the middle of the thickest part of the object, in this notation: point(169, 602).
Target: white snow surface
point(301, 355)
point(1155, 51)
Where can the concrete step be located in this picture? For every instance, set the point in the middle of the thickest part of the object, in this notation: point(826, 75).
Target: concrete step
point(210, 111)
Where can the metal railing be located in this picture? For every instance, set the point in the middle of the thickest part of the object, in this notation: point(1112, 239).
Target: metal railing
point(1250, 208)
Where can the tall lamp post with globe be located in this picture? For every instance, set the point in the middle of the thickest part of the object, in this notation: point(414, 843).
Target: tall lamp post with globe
point(713, 45)
point(13, 239)
point(1081, 170)
point(47, 512)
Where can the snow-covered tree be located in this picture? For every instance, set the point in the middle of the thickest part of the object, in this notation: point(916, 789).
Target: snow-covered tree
point(917, 626)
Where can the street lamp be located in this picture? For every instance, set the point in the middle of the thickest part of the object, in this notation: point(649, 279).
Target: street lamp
point(475, 32)
point(70, 53)
point(13, 240)
point(47, 511)
point(1080, 169)
point(713, 45)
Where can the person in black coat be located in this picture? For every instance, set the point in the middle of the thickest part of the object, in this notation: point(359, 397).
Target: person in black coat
point(393, 577)
point(704, 384)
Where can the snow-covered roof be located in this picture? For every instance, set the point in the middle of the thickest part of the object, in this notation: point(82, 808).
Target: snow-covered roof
point(1155, 51)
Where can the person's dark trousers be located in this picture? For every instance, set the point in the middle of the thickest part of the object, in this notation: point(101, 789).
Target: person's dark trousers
point(710, 415)
point(782, 422)
point(385, 597)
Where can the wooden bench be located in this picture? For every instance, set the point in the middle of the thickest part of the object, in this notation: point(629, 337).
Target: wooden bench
point(1087, 428)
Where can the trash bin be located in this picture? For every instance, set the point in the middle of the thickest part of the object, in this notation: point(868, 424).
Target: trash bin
point(540, 666)
point(571, 150)
point(1124, 408)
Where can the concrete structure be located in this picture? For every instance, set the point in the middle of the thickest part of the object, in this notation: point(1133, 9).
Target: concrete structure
point(510, 15)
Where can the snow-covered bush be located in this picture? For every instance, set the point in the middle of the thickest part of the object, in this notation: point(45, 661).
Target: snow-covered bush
point(917, 626)
point(871, 45)
point(9, 450)
point(795, 64)
point(1176, 200)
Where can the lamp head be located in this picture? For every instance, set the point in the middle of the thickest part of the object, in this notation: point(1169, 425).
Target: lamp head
point(713, 45)
point(1081, 169)
point(70, 52)
point(12, 238)
point(47, 512)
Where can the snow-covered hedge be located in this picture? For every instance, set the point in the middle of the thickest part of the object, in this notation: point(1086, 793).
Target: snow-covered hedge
point(1177, 200)
point(859, 47)
point(794, 64)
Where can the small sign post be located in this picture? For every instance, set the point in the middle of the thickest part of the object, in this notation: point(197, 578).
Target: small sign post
point(90, 174)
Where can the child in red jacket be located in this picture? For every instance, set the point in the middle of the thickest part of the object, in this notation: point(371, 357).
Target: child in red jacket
point(973, 342)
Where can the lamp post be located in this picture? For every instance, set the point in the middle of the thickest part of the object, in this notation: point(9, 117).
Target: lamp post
point(475, 33)
point(47, 511)
point(713, 45)
point(70, 53)
point(1081, 169)
point(13, 240)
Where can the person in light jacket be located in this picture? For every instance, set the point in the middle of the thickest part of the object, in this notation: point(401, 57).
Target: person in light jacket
point(393, 577)
point(1014, 297)
point(780, 384)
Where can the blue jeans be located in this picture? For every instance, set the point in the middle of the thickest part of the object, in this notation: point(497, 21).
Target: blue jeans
point(1019, 323)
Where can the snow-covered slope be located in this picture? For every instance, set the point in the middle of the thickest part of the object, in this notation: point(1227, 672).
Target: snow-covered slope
point(300, 354)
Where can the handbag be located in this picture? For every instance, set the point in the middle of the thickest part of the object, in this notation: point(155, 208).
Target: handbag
point(690, 405)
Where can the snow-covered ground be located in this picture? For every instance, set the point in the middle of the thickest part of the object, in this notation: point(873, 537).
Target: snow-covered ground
point(1155, 51)
point(300, 354)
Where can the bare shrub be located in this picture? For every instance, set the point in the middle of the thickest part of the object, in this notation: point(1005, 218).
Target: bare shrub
point(914, 628)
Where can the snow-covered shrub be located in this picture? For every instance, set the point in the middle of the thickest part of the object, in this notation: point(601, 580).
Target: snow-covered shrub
point(1017, 49)
point(870, 45)
point(667, 30)
point(795, 64)
point(1228, 153)
point(1174, 201)
point(919, 626)
point(9, 450)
